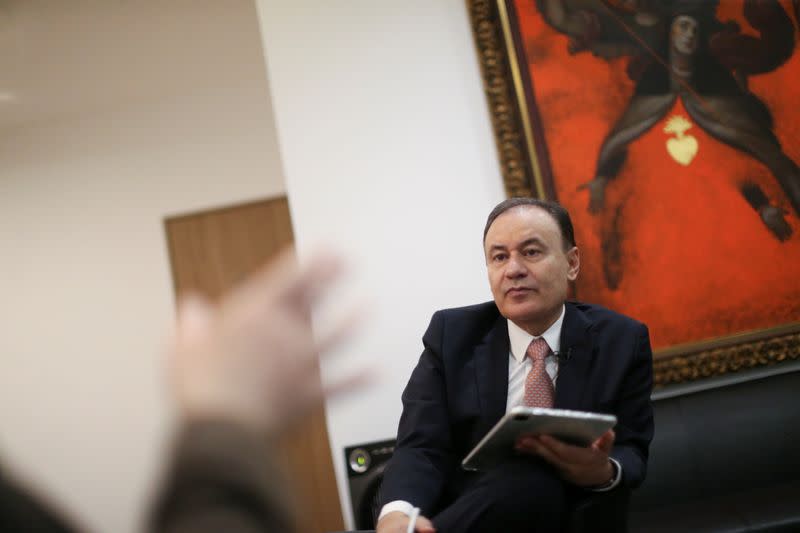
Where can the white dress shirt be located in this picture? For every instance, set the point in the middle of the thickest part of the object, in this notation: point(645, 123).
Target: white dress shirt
point(518, 367)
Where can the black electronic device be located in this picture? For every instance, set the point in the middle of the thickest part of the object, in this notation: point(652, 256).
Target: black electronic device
point(365, 465)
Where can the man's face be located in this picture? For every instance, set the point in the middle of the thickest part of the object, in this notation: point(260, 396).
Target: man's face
point(684, 34)
point(529, 270)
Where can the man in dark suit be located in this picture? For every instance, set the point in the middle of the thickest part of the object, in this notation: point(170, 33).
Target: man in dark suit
point(530, 346)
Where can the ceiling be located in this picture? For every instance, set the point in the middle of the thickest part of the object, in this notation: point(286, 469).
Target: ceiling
point(60, 59)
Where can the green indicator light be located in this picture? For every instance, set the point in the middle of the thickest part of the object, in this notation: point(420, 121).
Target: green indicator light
point(361, 461)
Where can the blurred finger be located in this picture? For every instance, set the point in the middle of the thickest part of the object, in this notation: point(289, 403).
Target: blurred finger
point(351, 383)
point(325, 346)
point(526, 445)
point(565, 452)
point(424, 525)
point(545, 453)
point(195, 315)
point(284, 281)
point(277, 272)
point(312, 279)
point(605, 442)
point(341, 331)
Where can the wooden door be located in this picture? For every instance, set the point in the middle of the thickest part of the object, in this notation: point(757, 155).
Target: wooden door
point(211, 251)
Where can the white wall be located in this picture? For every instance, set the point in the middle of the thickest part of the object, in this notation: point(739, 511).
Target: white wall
point(388, 154)
point(86, 288)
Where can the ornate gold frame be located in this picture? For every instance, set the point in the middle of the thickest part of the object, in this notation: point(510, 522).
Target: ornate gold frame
point(519, 163)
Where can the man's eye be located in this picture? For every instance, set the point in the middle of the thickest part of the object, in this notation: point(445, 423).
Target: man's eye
point(531, 252)
point(498, 257)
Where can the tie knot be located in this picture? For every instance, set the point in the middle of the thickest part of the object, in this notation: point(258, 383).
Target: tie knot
point(537, 349)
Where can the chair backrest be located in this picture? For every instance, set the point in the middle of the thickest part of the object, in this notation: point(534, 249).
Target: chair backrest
point(368, 509)
point(700, 434)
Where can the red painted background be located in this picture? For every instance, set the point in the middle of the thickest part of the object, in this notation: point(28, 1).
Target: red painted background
point(697, 261)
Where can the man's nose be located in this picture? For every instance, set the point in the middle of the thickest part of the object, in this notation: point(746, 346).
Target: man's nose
point(514, 268)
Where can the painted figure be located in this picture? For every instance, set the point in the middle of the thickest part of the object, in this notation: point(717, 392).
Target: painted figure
point(680, 49)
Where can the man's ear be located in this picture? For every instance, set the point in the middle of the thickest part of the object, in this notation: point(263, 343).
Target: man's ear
point(574, 261)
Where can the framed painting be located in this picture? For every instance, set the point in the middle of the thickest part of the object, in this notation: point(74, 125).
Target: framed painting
point(671, 132)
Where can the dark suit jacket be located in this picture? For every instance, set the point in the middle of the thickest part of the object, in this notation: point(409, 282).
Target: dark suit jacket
point(221, 478)
point(459, 389)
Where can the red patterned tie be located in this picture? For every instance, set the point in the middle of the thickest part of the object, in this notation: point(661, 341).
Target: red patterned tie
point(538, 386)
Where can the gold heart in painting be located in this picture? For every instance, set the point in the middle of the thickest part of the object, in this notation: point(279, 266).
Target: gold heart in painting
point(682, 147)
point(670, 129)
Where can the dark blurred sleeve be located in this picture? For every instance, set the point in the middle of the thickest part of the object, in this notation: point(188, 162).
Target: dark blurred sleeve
point(21, 510)
point(221, 478)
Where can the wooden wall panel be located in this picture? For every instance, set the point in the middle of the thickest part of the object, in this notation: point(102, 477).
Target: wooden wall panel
point(210, 252)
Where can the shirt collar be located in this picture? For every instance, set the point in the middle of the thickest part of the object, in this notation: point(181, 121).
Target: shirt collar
point(519, 339)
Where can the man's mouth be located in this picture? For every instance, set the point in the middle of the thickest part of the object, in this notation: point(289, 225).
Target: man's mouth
point(514, 291)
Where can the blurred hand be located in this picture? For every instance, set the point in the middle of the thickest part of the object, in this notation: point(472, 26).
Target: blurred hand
point(585, 467)
point(397, 522)
point(253, 358)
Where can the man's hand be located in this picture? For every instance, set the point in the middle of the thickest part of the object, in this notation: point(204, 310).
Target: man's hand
point(585, 467)
point(397, 522)
point(253, 358)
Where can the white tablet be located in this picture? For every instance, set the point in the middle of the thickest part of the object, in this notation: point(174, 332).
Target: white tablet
point(574, 427)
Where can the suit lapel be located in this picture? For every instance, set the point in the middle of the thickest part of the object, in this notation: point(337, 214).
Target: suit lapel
point(575, 359)
point(491, 367)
